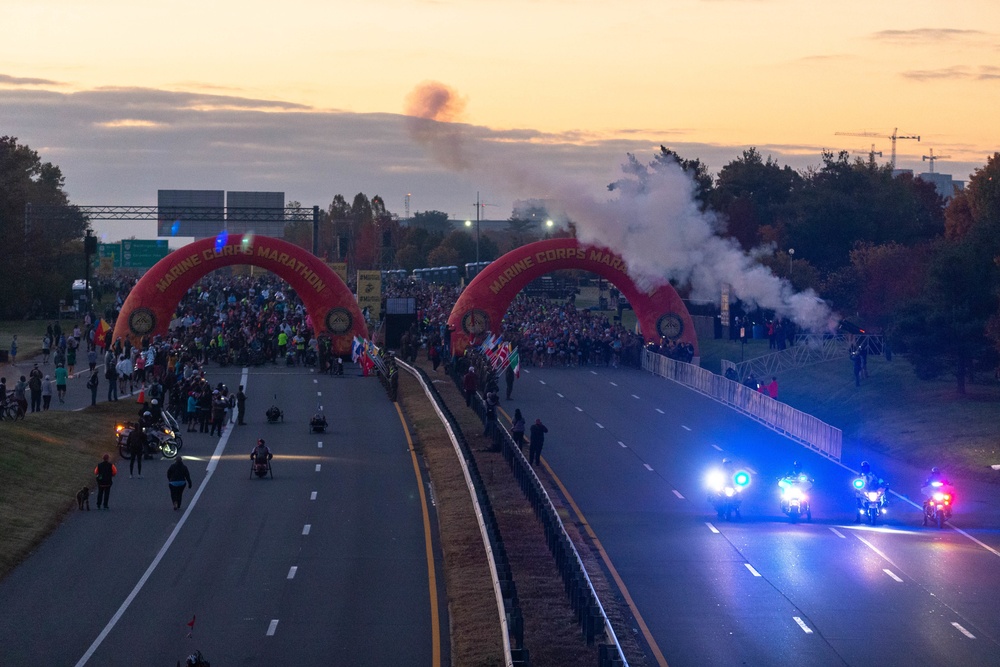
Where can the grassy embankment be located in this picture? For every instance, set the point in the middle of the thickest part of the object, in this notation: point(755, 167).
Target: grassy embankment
point(51, 455)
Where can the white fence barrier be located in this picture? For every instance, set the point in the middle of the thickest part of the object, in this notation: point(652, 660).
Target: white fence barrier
point(782, 418)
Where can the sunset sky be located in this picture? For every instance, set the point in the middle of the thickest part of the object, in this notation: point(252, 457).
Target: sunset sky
point(305, 96)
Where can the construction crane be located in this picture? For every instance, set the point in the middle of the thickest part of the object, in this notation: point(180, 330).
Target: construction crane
point(930, 158)
point(894, 136)
point(872, 154)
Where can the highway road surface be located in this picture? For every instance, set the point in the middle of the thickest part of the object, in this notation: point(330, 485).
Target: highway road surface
point(633, 451)
point(331, 562)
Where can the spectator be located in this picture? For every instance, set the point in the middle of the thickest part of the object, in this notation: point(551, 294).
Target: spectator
point(517, 428)
point(35, 385)
point(105, 473)
point(61, 375)
point(177, 476)
point(470, 384)
point(92, 386)
point(48, 386)
point(772, 388)
point(538, 431)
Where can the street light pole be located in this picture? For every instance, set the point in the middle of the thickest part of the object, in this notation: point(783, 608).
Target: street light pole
point(791, 255)
point(478, 206)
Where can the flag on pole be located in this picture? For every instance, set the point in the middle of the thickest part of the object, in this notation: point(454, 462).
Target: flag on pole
point(102, 330)
point(356, 348)
point(515, 361)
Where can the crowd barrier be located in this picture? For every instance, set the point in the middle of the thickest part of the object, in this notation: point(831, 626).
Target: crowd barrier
point(784, 419)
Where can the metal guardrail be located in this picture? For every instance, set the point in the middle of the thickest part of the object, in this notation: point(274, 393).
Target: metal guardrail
point(511, 620)
point(583, 598)
point(784, 419)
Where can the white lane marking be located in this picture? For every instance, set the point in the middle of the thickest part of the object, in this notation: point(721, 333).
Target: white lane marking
point(542, 381)
point(712, 528)
point(752, 571)
point(306, 528)
point(635, 397)
point(560, 395)
point(678, 494)
point(751, 470)
point(802, 624)
point(892, 574)
point(593, 372)
point(838, 533)
point(648, 467)
point(963, 630)
point(292, 570)
point(318, 467)
point(209, 471)
point(686, 428)
point(271, 627)
point(599, 425)
point(319, 444)
point(985, 546)
point(613, 384)
point(660, 411)
point(315, 381)
point(312, 496)
point(876, 550)
point(579, 409)
point(717, 447)
point(319, 393)
point(622, 443)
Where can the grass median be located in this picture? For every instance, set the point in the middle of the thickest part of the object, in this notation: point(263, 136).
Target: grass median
point(51, 455)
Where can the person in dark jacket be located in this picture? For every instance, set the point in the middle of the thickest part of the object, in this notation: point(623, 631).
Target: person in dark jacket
point(177, 476)
point(241, 406)
point(105, 473)
point(137, 448)
point(470, 383)
point(538, 431)
point(517, 428)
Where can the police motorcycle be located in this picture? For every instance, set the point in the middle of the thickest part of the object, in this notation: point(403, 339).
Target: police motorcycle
point(872, 494)
point(939, 499)
point(161, 437)
point(725, 486)
point(318, 423)
point(795, 489)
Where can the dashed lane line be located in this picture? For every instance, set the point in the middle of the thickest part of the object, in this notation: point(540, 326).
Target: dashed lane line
point(622, 444)
point(802, 624)
point(678, 494)
point(292, 570)
point(717, 447)
point(271, 627)
point(306, 528)
point(560, 395)
point(599, 425)
point(613, 384)
point(579, 409)
point(712, 528)
point(312, 496)
point(660, 411)
point(648, 467)
point(958, 626)
point(752, 570)
point(635, 397)
point(319, 466)
point(892, 574)
point(838, 533)
point(686, 428)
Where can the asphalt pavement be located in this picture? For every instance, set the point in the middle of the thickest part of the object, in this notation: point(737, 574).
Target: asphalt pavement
point(324, 564)
point(633, 451)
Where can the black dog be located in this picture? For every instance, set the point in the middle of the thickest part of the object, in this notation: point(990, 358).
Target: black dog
point(83, 498)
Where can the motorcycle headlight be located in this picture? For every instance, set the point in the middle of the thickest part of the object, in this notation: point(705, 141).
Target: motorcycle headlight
point(872, 496)
point(715, 480)
point(938, 497)
point(730, 491)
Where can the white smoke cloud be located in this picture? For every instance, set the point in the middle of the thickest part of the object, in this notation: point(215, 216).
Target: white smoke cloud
point(651, 219)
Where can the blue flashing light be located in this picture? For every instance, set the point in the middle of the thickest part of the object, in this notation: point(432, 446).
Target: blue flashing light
point(220, 240)
point(859, 483)
point(174, 228)
point(741, 478)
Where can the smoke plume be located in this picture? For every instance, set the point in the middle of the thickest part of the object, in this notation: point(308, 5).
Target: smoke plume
point(651, 218)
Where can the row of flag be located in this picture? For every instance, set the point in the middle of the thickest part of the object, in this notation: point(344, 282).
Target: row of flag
point(367, 355)
point(501, 354)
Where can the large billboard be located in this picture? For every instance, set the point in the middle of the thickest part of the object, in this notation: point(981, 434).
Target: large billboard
point(197, 213)
point(256, 212)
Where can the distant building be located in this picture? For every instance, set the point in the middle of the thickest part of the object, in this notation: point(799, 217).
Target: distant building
point(945, 185)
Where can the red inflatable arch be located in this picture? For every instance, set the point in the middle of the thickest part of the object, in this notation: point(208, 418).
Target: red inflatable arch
point(332, 308)
point(481, 307)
